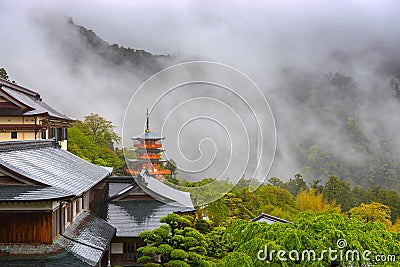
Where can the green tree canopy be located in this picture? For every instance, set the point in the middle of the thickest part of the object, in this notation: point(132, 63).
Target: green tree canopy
point(93, 141)
point(3, 74)
point(101, 130)
point(175, 243)
point(373, 212)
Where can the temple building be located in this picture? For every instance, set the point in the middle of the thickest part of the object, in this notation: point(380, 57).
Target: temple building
point(149, 151)
point(136, 204)
point(57, 209)
point(50, 202)
point(24, 116)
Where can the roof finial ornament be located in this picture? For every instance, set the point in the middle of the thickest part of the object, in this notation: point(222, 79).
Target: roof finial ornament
point(147, 121)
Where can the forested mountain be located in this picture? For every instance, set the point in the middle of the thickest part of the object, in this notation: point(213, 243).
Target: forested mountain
point(338, 120)
point(115, 54)
point(363, 152)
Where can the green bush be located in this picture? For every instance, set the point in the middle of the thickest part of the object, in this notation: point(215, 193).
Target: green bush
point(179, 254)
point(144, 259)
point(165, 249)
point(177, 263)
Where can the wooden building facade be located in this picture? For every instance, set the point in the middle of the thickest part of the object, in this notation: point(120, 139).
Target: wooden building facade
point(48, 199)
point(24, 116)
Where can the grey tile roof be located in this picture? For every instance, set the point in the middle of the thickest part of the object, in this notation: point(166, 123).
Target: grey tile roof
point(116, 188)
point(163, 192)
point(87, 238)
point(46, 163)
point(63, 259)
point(147, 160)
point(83, 244)
point(263, 217)
point(131, 217)
point(30, 99)
point(30, 193)
point(147, 136)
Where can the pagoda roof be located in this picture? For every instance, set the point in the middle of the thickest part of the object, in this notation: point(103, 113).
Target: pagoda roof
point(146, 160)
point(23, 101)
point(148, 149)
point(148, 136)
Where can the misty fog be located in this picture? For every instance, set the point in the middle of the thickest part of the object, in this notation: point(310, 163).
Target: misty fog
point(319, 64)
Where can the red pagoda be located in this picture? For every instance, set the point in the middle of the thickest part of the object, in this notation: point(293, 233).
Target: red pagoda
point(149, 154)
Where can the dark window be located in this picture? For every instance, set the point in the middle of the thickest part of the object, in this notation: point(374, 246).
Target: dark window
point(44, 135)
point(130, 250)
point(65, 133)
point(14, 135)
point(59, 134)
point(52, 132)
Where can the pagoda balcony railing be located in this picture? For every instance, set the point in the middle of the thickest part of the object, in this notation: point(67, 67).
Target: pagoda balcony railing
point(149, 156)
point(149, 146)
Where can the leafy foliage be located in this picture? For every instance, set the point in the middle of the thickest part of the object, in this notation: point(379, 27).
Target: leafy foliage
point(229, 239)
point(310, 200)
point(3, 74)
point(337, 191)
point(242, 242)
point(100, 130)
point(176, 243)
point(93, 140)
point(373, 212)
point(309, 231)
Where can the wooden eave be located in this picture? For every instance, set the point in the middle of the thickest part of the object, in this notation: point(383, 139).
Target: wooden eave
point(13, 100)
point(20, 177)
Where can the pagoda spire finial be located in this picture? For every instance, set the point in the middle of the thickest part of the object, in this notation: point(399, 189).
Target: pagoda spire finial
point(147, 121)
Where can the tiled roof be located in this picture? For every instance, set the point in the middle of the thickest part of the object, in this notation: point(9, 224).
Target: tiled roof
point(131, 217)
point(30, 99)
point(148, 136)
point(30, 193)
point(115, 189)
point(263, 217)
point(62, 259)
point(87, 238)
point(147, 160)
point(83, 244)
point(44, 162)
point(161, 191)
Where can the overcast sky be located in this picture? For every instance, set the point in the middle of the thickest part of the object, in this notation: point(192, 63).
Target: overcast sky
point(257, 37)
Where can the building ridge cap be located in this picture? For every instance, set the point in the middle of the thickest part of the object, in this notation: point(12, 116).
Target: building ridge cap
point(7, 146)
point(19, 88)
